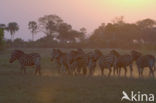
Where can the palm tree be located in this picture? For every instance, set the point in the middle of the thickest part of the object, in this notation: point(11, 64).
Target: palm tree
point(32, 25)
point(3, 26)
point(12, 28)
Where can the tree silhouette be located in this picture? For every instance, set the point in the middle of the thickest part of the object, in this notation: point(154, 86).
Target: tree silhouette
point(146, 23)
point(48, 24)
point(83, 30)
point(32, 26)
point(53, 26)
point(12, 28)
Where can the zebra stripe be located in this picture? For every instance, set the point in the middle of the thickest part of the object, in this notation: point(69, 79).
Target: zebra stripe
point(26, 59)
point(107, 61)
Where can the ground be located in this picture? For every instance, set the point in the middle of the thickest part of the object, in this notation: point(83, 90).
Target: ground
point(52, 87)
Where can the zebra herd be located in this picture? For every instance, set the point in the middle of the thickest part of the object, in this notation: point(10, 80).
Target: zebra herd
point(76, 62)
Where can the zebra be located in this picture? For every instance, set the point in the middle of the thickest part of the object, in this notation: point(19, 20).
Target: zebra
point(143, 61)
point(26, 60)
point(122, 62)
point(61, 59)
point(91, 62)
point(66, 61)
point(92, 58)
point(106, 61)
point(79, 61)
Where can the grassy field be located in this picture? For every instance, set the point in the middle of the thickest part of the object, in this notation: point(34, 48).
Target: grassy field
point(52, 87)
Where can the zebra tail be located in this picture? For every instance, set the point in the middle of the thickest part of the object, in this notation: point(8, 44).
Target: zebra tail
point(154, 67)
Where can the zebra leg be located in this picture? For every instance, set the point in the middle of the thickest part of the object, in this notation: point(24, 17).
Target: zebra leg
point(119, 71)
point(74, 70)
point(114, 70)
point(78, 70)
point(62, 69)
point(66, 68)
point(59, 68)
point(125, 71)
point(141, 72)
point(69, 69)
point(102, 71)
point(84, 70)
point(110, 70)
point(131, 70)
point(39, 70)
point(151, 72)
point(93, 70)
point(90, 71)
point(23, 69)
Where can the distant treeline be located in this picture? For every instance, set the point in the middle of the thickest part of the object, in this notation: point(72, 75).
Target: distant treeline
point(117, 34)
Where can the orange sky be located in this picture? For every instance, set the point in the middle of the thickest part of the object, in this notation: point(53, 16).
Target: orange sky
point(78, 13)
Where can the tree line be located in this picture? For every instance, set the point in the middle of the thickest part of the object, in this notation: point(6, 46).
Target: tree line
point(116, 34)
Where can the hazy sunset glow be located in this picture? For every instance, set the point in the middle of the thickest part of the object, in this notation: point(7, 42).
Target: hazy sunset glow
point(78, 13)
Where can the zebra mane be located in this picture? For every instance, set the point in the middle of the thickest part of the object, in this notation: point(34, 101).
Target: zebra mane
point(114, 52)
point(79, 50)
point(19, 52)
point(135, 54)
point(98, 52)
point(60, 52)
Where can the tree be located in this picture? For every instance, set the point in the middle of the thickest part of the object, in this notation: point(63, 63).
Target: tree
point(115, 34)
point(83, 30)
point(64, 32)
point(118, 20)
point(32, 26)
point(3, 26)
point(12, 28)
point(53, 26)
point(146, 23)
point(18, 42)
point(48, 24)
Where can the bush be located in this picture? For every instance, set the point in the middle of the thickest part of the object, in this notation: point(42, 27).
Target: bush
point(1, 39)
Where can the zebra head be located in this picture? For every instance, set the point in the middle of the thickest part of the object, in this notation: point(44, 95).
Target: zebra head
point(97, 54)
point(135, 54)
point(55, 54)
point(16, 54)
point(115, 53)
point(79, 50)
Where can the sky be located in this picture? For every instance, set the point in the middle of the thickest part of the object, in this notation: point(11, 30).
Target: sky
point(79, 13)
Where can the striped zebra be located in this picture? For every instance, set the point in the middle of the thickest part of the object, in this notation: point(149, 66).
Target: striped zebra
point(143, 61)
point(26, 60)
point(66, 61)
point(106, 61)
point(79, 62)
point(61, 60)
point(123, 61)
point(92, 60)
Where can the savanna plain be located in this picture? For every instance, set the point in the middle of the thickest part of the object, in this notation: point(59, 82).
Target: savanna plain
point(51, 87)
